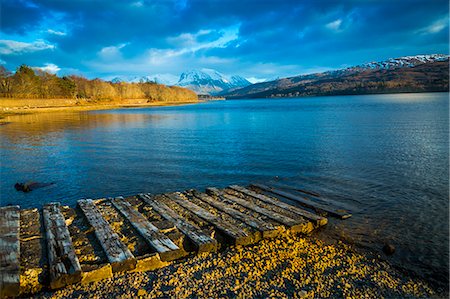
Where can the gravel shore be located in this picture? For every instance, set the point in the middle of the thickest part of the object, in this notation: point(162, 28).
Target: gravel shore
point(289, 267)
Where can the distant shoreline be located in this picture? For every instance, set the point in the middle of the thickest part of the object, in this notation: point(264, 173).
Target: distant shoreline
point(255, 97)
point(11, 107)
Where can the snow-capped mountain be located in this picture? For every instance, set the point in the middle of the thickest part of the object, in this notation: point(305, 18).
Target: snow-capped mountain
point(204, 81)
point(208, 81)
point(417, 73)
point(405, 61)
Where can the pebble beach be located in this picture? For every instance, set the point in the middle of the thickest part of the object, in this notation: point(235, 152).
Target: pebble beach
point(289, 267)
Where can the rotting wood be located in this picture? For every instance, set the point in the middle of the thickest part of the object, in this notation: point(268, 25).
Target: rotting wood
point(63, 263)
point(318, 220)
point(9, 251)
point(93, 261)
point(342, 214)
point(238, 236)
point(202, 242)
point(167, 250)
point(118, 254)
point(33, 255)
point(268, 230)
point(296, 225)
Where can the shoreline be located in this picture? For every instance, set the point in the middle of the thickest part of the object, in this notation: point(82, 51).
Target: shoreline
point(289, 267)
point(12, 111)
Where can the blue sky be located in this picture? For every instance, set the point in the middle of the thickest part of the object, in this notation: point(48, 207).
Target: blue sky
point(256, 39)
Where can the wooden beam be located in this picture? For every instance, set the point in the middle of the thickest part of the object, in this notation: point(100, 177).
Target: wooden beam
point(167, 250)
point(33, 253)
point(238, 236)
point(63, 263)
point(116, 251)
point(267, 230)
point(202, 241)
point(9, 251)
point(296, 225)
point(318, 220)
point(342, 214)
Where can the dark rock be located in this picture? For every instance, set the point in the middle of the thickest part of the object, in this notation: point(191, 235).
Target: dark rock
point(388, 249)
point(30, 186)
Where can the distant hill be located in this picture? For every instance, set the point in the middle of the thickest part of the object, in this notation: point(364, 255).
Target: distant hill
point(207, 81)
point(420, 73)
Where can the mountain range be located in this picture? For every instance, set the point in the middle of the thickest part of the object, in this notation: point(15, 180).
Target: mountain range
point(404, 74)
point(204, 81)
point(418, 73)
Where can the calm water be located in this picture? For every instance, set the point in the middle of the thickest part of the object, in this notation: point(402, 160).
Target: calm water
point(385, 157)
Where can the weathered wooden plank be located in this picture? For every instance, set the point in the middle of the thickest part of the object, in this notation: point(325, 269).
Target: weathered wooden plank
point(33, 254)
point(63, 263)
point(318, 220)
point(238, 236)
point(307, 203)
point(167, 250)
point(296, 225)
point(9, 251)
point(267, 229)
point(116, 251)
point(202, 241)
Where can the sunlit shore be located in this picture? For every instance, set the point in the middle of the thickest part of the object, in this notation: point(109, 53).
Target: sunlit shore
point(291, 267)
point(11, 107)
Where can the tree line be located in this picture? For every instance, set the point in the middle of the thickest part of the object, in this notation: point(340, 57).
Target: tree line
point(28, 83)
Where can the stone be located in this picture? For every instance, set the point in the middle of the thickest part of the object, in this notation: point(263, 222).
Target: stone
point(388, 249)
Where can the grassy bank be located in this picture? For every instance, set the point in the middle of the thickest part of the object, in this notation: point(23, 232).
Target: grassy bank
point(291, 267)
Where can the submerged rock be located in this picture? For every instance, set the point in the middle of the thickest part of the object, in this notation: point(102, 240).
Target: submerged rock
point(388, 249)
point(30, 186)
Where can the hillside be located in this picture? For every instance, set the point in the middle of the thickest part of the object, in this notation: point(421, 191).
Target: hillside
point(421, 73)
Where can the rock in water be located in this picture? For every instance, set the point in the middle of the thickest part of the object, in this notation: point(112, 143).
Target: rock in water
point(388, 249)
point(30, 186)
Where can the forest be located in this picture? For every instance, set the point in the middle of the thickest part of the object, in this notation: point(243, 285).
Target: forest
point(29, 83)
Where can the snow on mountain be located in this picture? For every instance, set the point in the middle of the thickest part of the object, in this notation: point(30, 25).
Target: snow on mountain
point(204, 81)
point(208, 81)
point(405, 61)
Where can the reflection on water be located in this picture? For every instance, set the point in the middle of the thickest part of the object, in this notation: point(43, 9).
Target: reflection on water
point(39, 126)
point(384, 157)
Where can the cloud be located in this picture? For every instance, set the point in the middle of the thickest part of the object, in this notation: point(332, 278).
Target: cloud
point(12, 47)
point(255, 39)
point(48, 67)
point(137, 4)
point(54, 32)
point(112, 52)
point(435, 27)
point(335, 25)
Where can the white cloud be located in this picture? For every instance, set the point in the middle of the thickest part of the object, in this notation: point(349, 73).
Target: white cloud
point(435, 27)
point(54, 32)
point(137, 4)
point(335, 25)
point(11, 47)
point(190, 45)
point(48, 67)
point(112, 52)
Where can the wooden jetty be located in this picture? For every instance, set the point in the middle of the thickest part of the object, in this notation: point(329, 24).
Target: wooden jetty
point(60, 245)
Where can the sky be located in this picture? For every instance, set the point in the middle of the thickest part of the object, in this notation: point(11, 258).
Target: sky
point(258, 40)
